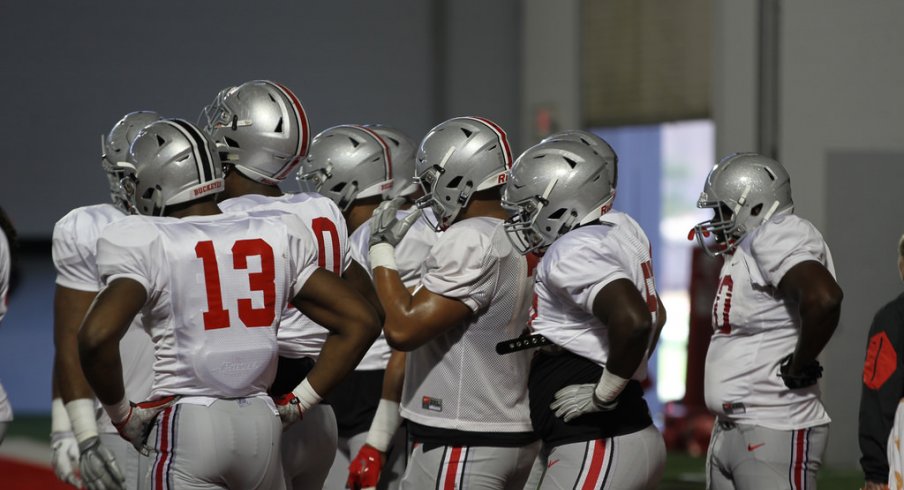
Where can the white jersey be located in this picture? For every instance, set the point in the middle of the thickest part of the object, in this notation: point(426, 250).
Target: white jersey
point(74, 250)
point(216, 288)
point(456, 380)
point(6, 412)
point(755, 327)
point(575, 268)
point(298, 335)
point(410, 255)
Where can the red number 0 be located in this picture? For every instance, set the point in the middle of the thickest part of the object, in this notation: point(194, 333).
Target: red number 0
point(264, 281)
point(650, 286)
point(322, 226)
point(727, 284)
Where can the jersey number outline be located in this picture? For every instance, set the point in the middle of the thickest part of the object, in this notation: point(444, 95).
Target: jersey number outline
point(726, 285)
point(321, 227)
point(649, 287)
point(217, 316)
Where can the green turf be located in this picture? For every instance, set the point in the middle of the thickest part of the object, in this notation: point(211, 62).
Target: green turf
point(682, 472)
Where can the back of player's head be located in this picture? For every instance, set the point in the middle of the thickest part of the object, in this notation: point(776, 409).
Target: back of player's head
point(115, 149)
point(744, 190)
point(552, 188)
point(457, 158)
point(347, 163)
point(402, 152)
point(598, 144)
point(260, 128)
point(171, 162)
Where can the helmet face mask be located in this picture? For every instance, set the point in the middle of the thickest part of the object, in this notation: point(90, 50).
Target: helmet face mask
point(744, 190)
point(554, 187)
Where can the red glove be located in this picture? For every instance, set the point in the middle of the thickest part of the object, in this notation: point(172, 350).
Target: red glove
point(364, 471)
point(289, 408)
point(138, 424)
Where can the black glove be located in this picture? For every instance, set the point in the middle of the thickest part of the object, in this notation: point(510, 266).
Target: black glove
point(806, 377)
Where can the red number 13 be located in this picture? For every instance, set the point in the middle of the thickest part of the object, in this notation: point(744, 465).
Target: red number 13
point(264, 281)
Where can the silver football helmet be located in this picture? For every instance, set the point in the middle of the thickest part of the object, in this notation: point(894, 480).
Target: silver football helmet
point(600, 145)
point(743, 190)
point(457, 158)
point(115, 149)
point(552, 188)
point(347, 163)
point(402, 151)
point(260, 128)
point(171, 162)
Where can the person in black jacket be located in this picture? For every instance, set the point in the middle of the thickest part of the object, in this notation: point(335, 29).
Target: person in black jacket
point(883, 386)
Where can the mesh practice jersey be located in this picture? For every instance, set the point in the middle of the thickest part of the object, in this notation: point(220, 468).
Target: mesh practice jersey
point(298, 335)
point(74, 250)
point(456, 380)
point(754, 327)
point(575, 268)
point(410, 255)
point(216, 289)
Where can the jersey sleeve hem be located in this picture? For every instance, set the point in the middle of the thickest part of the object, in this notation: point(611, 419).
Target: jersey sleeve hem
point(595, 290)
point(77, 285)
point(135, 277)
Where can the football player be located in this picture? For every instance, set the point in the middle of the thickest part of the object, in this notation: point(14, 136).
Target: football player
point(352, 166)
point(262, 132)
point(75, 420)
point(212, 288)
point(465, 406)
point(776, 307)
point(7, 238)
point(383, 443)
point(595, 301)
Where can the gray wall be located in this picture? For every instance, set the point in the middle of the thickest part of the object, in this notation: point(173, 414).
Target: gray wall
point(69, 76)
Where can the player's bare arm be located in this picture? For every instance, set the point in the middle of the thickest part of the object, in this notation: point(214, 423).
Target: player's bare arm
point(353, 324)
point(360, 281)
point(412, 320)
point(660, 322)
point(620, 306)
point(818, 297)
point(98, 340)
point(69, 309)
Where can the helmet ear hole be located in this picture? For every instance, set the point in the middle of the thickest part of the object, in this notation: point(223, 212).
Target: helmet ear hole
point(454, 182)
point(338, 187)
point(755, 211)
point(557, 214)
point(231, 142)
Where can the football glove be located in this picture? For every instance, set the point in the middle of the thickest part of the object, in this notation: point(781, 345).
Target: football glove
point(65, 457)
point(98, 467)
point(364, 470)
point(138, 424)
point(575, 400)
point(807, 376)
point(289, 408)
point(385, 227)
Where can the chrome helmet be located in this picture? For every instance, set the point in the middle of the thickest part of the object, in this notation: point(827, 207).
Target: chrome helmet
point(115, 149)
point(743, 190)
point(171, 162)
point(552, 188)
point(260, 128)
point(457, 158)
point(599, 144)
point(347, 163)
point(403, 152)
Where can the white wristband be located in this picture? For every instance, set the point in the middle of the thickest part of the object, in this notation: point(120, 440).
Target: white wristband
point(609, 386)
point(83, 418)
point(119, 411)
point(382, 255)
point(386, 421)
point(59, 418)
point(306, 395)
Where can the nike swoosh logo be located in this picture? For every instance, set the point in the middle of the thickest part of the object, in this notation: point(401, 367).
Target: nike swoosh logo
point(754, 447)
point(551, 463)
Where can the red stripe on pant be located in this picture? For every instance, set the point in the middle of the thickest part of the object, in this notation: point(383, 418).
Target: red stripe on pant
point(800, 455)
point(596, 465)
point(163, 450)
point(452, 468)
